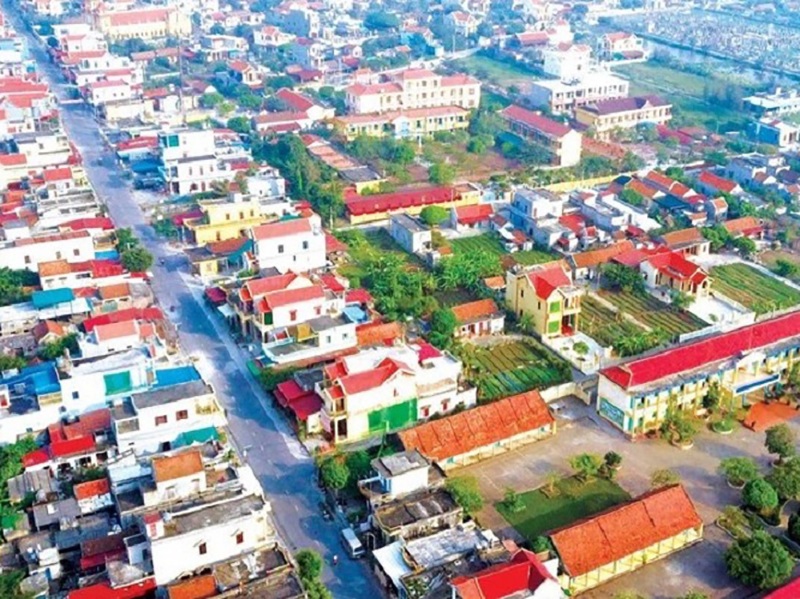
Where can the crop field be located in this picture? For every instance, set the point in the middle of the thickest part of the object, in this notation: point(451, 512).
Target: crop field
point(753, 289)
point(654, 313)
point(514, 367)
point(602, 324)
point(491, 244)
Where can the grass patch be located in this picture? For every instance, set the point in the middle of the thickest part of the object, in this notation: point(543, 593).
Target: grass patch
point(364, 247)
point(494, 71)
point(753, 289)
point(572, 501)
point(490, 243)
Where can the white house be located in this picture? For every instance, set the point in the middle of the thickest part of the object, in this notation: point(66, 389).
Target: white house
point(27, 253)
point(410, 233)
point(296, 245)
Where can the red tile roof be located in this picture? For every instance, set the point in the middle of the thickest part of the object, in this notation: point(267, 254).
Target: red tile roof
point(284, 228)
point(600, 256)
point(542, 124)
point(197, 587)
point(546, 280)
point(166, 468)
point(477, 213)
point(524, 572)
point(138, 16)
point(690, 356)
point(479, 427)
point(115, 291)
point(333, 245)
point(279, 299)
point(716, 182)
point(103, 590)
point(92, 488)
point(358, 296)
point(475, 311)
point(378, 333)
point(115, 330)
point(675, 265)
point(625, 529)
point(258, 287)
point(497, 282)
point(746, 225)
point(147, 314)
point(360, 382)
point(294, 100)
point(97, 222)
point(57, 174)
point(683, 237)
point(358, 205)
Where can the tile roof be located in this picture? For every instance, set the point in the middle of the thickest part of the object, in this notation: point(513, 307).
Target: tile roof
point(378, 333)
point(716, 182)
point(522, 573)
point(683, 238)
point(361, 382)
point(625, 529)
point(294, 100)
point(197, 587)
point(166, 468)
point(616, 105)
point(258, 287)
point(95, 222)
point(47, 327)
point(642, 188)
point(546, 280)
point(280, 299)
point(104, 590)
point(147, 314)
point(475, 311)
point(790, 590)
point(704, 352)
point(676, 266)
point(600, 256)
point(92, 488)
point(358, 205)
point(115, 330)
point(476, 213)
point(479, 427)
point(114, 291)
point(285, 228)
point(744, 225)
point(536, 121)
point(497, 282)
point(57, 174)
point(54, 268)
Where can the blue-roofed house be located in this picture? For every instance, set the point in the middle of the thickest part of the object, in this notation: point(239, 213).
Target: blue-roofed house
point(55, 303)
point(30, 400)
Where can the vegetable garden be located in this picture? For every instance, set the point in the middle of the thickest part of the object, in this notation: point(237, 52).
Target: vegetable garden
point(753, 289)
point(603, 325)
point(654, 313)
point(511, 368)
point(490, 243)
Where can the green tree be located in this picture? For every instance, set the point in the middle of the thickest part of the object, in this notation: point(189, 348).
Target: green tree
point(586, 465)
point(759, 495)
point(694, 595)
point(126, 240)
point(441, 173)
point(271, 377)
point(512, 501)
point(664, 477)
point(717, 235)
point(680, 300)
point(623, 277)
point(137, 259)
point(739, 470)
point(780, 441)
point(9, 585)
point(632, 197)
point(434, 215)
point(443, 325)
point(464, 490)
point(759, 561)
point(785, 268)
point(217, 29)
point(240, 124)
point(8, 362)
point(225, 108)
point(309, 564)
point(56, 349)
point(745, 245)
point(785, 479)
point(381, 20)
point(211, 99)
point(334, 473)
point(359, 464)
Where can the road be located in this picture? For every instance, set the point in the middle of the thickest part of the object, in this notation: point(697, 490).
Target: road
point(280, 462)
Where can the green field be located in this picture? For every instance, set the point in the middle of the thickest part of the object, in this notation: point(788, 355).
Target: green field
point(362, 247)
point(491, 243)
point(494, 71)
point(603, 325)
point(572, 501)
point(753, 289)
point(511, 368)
point(655, 314)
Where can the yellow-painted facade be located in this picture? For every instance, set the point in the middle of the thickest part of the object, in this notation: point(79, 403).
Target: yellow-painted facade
point(224, 220)
point(550, 317)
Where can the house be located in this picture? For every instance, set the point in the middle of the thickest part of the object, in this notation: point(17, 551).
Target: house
point(476, 216)
point(522, 577)
point(378, 207)
point(28, 252)
point(222, 220)
point(297, 395)
point(412, 123)
point(746, 226)
point(623, 113)
point(713, 185)
point(296, 245)
point(773, 132)
point(562, 142)
point(566, 61)
point(635, 395)
point(144, 23)
point(601, 547)
point(544, 294)
point(564, 96)
point(689, 242)
point(386, 388)
point(218, 257)
point(93, 496)
point(483, 432)
point(586, 265)
point(299, 102)
point(478, 318)
point(244, 73)
point(410, 233)
point(782, 101)
point(620, 45)
point(461, 23)
point(667, 271)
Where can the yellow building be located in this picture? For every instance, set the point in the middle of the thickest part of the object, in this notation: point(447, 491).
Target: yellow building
point(378, 207)
point(545, 295)
point(626, 538)
point(144, 23)
point(623, 113)
point(222, 220)
point(415, 123)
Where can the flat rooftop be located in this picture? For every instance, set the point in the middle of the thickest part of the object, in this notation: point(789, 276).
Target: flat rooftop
point(225, 511)
point(164, 395)
point(416, 508)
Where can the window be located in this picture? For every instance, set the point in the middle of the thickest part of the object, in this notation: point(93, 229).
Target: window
point(318, 310)
point(58, 255)
point(27, 259)
point(426, 412)
point(161, 420)
point(76, 252)
point(239, 538)
point(305, 245)
point(292, 315)
point(182, 415)
point(76, 394)
point(280, 249)
point(202, 548)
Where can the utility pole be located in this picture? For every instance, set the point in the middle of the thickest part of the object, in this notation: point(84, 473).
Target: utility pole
point(180, 81)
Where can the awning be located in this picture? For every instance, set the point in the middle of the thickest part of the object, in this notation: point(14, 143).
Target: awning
point(226, 311)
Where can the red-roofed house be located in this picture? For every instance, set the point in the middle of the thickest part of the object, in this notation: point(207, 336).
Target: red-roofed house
point(746, 226)
point(388, 387)
point(93, 496)
point(78, 444)
point(626, 537)
point(634, 395)
point(671, 271)
point(299, 102)
point(561, 141)
point(522, 577)
point(478, 318)
point(545, 294)
point(477, 216)
point(713, 185)
point(104, 590)
point(483, 432)
point(364, 209)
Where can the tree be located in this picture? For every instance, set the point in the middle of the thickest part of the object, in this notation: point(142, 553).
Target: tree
point(358, 463)
point(137, 259)
point(334, 473)
point(718, 236)
point(8, 362)
point(794, 527)
point(443, 325)
point(787, 269)
point(663, 477)
point(225, 108)
point(126, 240)
point(680, 300)
point(759, 495)
point(464, 490)
point(211, 99)
point(785, 479)
point(381, 20)
point(738, 470)
point(632, 197)
point(441, 173)
point(780, 441)
point(512, 501)
point(56, 349)
point(240, 124)
point(623, 277)
point(745, 245)
point(309, 564)
point(612, 459)
point(759, 561)
point(9, 585)
point(694, 595)
point(434, 215)
point(586, 465)
point(712, 397)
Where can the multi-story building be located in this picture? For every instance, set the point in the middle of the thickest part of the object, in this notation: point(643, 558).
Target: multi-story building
point(296, 245)
point(636, 395)
point(413, 88)
point(775, 104)
point(386, 388)
point(546, 295)
point(620, 45)
point(29, 252)
point(564, 96)
point(623, 113)
point(302, 21)
point(773, 132)
point(416, 123)
point(562, 142)
point(223, 219)
point(144, 23)
point(567, 62)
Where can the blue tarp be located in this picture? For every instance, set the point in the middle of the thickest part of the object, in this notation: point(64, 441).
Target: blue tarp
point(51, 297)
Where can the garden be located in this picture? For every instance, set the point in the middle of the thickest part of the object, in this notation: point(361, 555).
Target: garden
point(490, 243)
point(604, 325)
point(654, 313)
point(752, 288)
point(511, 368)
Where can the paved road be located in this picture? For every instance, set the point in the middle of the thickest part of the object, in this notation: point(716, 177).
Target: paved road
point(281, 464)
